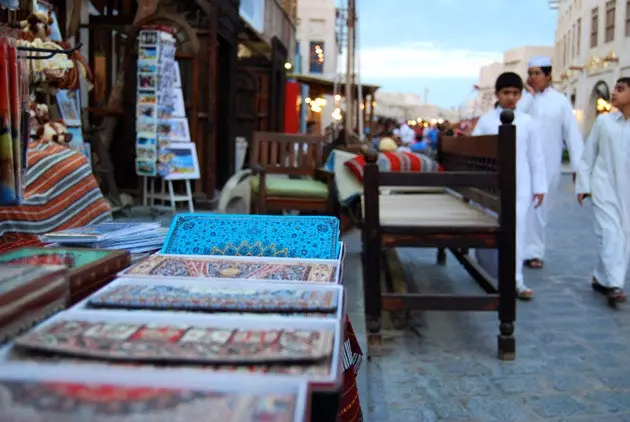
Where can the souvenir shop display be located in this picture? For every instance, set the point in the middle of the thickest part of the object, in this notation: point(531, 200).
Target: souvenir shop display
point(51, 64)
point(13, 136)
point(242, 268)
point(311, 237)
point(101, 232)
point(181, 339)
point(163, 142)
point(29, 294)
point(65, 394)
point(156, 62)
point(88, 269)
point(201, 296)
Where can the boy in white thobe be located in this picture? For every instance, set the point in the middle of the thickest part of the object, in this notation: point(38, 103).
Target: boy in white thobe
point(531, 184)
point(553, 114)
point(604, 175)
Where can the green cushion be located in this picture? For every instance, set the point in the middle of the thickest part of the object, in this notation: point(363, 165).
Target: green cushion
point(282, 186)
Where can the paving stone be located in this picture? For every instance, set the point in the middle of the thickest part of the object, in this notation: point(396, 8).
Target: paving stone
point(519, 384)
point(555, 406)
point(498, 410)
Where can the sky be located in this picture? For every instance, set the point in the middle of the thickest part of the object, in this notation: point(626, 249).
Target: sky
point(439, 45)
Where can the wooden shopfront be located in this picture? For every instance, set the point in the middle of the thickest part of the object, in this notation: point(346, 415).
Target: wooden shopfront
point(206, 32)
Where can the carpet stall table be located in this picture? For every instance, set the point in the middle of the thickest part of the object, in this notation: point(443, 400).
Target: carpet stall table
point(29, 294)
point(66, 393)
point(89, 269)
point(275, 239)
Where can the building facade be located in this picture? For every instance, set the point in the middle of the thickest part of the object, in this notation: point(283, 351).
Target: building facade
point(514, 60)
point(317, 52)
point(592, 50)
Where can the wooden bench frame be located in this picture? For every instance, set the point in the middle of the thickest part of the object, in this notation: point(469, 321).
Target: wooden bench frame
point(458, 240)
point(291, 155)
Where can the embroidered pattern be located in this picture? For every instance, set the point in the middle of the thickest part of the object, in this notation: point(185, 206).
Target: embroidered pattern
point(313, 237)
point(212, 267)
point(212, 299)
point(77, 402)
point(185, 344)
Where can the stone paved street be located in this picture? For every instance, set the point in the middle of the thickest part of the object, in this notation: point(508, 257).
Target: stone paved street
point(572, 363)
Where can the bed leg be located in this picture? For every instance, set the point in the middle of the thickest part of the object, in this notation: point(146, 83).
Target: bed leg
point(506, 341)
point(441, 256)
point(372, 294)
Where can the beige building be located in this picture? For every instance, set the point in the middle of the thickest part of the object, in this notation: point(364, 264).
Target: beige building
point(514, 60)
point(317, 47)
point(397, 105)
point(592, 50)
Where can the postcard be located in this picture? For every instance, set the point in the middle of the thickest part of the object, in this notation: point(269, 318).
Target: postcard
point(77, 138)
point(67, 103)
point(148, 38)
point(175, 98)
point(145, 167)
point(147, 98)
point(177, 76)
point(147, 82)
point(175, 129)
point(164, 112)
point(146, 140)
point(148, 53)
point(146, 153)
point(178, 161)
point(147, 110)
point(144, 124)
point(147, 68)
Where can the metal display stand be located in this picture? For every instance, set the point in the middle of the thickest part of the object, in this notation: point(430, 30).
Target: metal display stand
point(168, 199)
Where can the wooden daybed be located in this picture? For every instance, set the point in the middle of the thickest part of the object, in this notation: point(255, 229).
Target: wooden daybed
point(451, 213)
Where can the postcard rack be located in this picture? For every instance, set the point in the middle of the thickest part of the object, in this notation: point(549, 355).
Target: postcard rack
point(150, 195)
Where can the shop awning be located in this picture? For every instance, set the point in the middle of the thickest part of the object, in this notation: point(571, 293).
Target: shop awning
point(325, 86)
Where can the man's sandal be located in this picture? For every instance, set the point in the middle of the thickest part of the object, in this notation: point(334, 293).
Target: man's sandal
point(535, 263)
point(525, 294)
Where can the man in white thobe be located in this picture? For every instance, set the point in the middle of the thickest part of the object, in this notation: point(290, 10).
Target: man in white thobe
point(604, 175)
point(531, 183)
point(553, 114)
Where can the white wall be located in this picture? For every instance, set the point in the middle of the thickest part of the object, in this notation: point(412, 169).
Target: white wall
point(573, 48)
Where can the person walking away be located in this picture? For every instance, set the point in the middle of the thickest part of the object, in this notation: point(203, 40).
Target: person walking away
point(554, 117)
point(604, 175)
point(531, 183)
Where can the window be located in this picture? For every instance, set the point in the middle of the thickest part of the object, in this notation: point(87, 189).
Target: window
point(572, 42)
point(565, 50)
point(610, 21)
point(594, 24)
point(627, 18)
point(298, 58)
point(578, 37)
point(316, 64)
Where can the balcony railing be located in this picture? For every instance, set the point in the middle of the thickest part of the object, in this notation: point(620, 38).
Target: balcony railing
point(279, 24)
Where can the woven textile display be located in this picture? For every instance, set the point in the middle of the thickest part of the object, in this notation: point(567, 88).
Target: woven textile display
point(212, 267)
point(79, 402)
point(182, 344)
point(321, 367)
point(312, 237)
point(214, 299)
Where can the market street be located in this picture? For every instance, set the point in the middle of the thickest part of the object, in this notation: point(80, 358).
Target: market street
point(572, 350)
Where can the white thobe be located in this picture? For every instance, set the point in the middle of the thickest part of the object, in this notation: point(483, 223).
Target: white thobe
point(530, 179)
point(604, 172)
point(553, 114)
point(407, 135)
